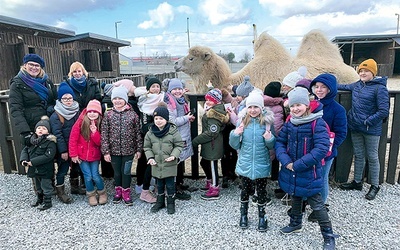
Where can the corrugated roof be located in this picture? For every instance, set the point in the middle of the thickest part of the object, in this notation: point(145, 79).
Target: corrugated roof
point(365, 39)
point(91, 37)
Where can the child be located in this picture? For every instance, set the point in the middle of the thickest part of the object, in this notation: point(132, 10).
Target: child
point(162, 146)
point(300, 147)
point(211, 140)
point(253, 138)
point(66, 112)
point(370, 107)
point(84, 148)
point(121, 142)
point(181, 115)
point(289, 83)
point(39, 158)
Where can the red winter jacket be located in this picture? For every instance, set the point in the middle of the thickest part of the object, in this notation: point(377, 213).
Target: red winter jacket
point(78, 146)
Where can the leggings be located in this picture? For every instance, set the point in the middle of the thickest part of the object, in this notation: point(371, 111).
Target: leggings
point(118, 162)
point(210, 168)
point(248, 189)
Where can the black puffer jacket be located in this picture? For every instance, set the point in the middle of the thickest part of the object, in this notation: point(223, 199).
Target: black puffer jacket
point(26, 107)
point(91, 92)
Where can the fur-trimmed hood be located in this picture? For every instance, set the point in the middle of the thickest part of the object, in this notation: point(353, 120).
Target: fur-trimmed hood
point(218, 112)
point(266, 112)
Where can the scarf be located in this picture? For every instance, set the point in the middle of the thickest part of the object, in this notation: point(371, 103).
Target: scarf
point(35, 140)
point(160, 133)
point(306, 119)
point(37, 84)
point(68, 112)
point(79, 84)
point(147, 103)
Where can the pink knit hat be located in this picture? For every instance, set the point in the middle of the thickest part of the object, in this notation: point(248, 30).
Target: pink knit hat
point(94, 105)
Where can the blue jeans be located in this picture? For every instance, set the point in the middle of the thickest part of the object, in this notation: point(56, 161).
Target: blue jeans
point(366, 146)
point(169, 183)
point(91, 174)
point(325, 175)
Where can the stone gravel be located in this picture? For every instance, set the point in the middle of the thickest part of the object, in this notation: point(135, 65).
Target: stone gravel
point(197, 224)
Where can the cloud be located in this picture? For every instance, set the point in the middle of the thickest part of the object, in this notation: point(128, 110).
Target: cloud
point(223, 11)
point(163, 15)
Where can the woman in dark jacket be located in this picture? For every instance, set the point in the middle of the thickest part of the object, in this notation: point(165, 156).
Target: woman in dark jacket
point(32, 95)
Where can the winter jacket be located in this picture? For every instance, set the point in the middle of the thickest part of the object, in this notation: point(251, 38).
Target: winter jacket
point(120, 132)
point(159, 149)
point(91, 92)
point(41, 156)
point(276, 105)
point(370, 105)
point(26, 107)
point(213, 122)
point(253, 159)
point(62, 130)
point(305, 147)
point(78, 146)
point(334, 113)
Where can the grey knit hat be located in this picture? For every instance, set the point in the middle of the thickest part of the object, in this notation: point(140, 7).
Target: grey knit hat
point(120, 92)
point(245, 87)
point(299, 95)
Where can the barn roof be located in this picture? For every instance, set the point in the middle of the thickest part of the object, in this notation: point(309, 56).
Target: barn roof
point(366, 39)
point(95, 38)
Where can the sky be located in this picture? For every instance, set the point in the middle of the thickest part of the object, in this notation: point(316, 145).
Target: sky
point(159, 28)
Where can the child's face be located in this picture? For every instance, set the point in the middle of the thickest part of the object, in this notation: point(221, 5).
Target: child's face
point(240, 98)
point(365, 75)
point(118, 103)
point(159, 122)
point(92, 115)
point(177, 93)
point(298, 109)
point(286, 89)
point(78, 73)
point(67, 100)
point(41, 130)
point(210, 104)
point(253, 111)
point(320, 90)
point(155, 89)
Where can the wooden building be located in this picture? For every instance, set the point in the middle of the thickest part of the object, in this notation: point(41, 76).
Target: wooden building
point(385, 49)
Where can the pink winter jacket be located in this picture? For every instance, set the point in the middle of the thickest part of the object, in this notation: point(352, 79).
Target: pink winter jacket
point(276, 105)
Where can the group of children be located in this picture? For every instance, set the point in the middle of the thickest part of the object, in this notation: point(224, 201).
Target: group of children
point(264, 137)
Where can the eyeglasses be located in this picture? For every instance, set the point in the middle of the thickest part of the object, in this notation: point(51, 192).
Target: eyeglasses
point(67, 99)
point(33, 65)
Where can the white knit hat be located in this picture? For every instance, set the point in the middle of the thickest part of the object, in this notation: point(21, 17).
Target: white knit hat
point(255, 99)
point(293, 77)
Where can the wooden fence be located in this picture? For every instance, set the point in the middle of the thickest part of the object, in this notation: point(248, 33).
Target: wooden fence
point(388, 148)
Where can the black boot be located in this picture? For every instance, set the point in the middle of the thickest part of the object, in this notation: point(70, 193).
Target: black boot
point(75, 188)
point(47, 203)
point(262, 221)
point(351, 186)
point(244, 220)
point(294, 226)
point(170, 204)
point(160, 203)
point(329, 238)
point(39, 200)
point(373, 190)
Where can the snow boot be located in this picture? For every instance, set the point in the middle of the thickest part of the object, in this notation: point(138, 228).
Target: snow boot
point(160, 203)
point(212, 193)
point(118, 195)
point(329, 238)
point(262, 221)
point(46, 202)
point(295, 225)
point(146, 196)
point(170, 204)
point(92, 199)
point(39, 200)
point(75, 187)
point(244, 209)
point(62, 195)
point(102, 196)
point(126, 196)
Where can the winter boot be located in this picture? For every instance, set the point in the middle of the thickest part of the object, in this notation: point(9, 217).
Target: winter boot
point(118, 195)
point(373, 190)
point(244, 220)
point(39, 200)
point(92, 198)
point(212, 194)
point(126, 196)
point(295, 225)
point(46, 202)
point(146, 196)
point(329, 238)
point(62, 195)
point(160, 203)
point(262, 221)
point(75, 188)
point(170, 204)
point(351, 186)
point(180, 194)
point(207, 187)
point(102, 196)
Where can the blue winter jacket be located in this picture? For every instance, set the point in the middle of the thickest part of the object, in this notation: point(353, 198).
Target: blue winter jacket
point(305, 148)
point(370, 105)
point(253, 159)
point(334, 113)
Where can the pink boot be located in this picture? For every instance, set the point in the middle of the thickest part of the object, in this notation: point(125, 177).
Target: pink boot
point(126, 196)
point(118, 195)
point(147, 196)
point(212, 194)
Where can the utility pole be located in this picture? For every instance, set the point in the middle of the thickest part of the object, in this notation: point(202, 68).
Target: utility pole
point(116, 28)
point(398, 15)
point(187, 25)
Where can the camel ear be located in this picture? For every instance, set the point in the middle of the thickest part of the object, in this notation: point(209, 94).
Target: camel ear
point(206, 56)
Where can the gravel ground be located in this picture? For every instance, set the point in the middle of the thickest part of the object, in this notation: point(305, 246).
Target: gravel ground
point(197, 224)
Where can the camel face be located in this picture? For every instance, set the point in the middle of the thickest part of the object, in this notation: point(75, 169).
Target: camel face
point(193, 63)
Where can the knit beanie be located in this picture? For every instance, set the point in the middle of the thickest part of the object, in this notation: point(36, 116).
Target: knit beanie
point(273, 89)
point(299, 95)
point(45, 122)
point(34, 58)
point(128, 84)
point(293, 77)
point(108, 89)
point(255, 99)
point(63, 89)
point(214, 95)
point(305, 83)
point(174, 83)
point(162, 111)
point(245, 87)
point(369, 64)
point(94, 105)
point(152, 80)
point(120, 92)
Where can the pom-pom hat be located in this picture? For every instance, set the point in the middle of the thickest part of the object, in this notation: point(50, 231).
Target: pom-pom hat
point(299, 95)
point(214, 95)
point(293, 77)
point(34, 58)
point(370, 65)
point(245, 87)
point(94, 105)
point(108, 89)
point(45, 122)
point(64, 89)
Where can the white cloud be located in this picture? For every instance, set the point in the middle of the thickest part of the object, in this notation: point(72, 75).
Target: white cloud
point(163, 15)
point(223, 11)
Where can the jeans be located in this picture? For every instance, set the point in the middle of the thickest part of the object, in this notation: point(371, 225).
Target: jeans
point(325, 175)
point(62, 170)
point(366, 146)
point(248, 189)
point(169, 183)
point(120, 178)
point(91, 174)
